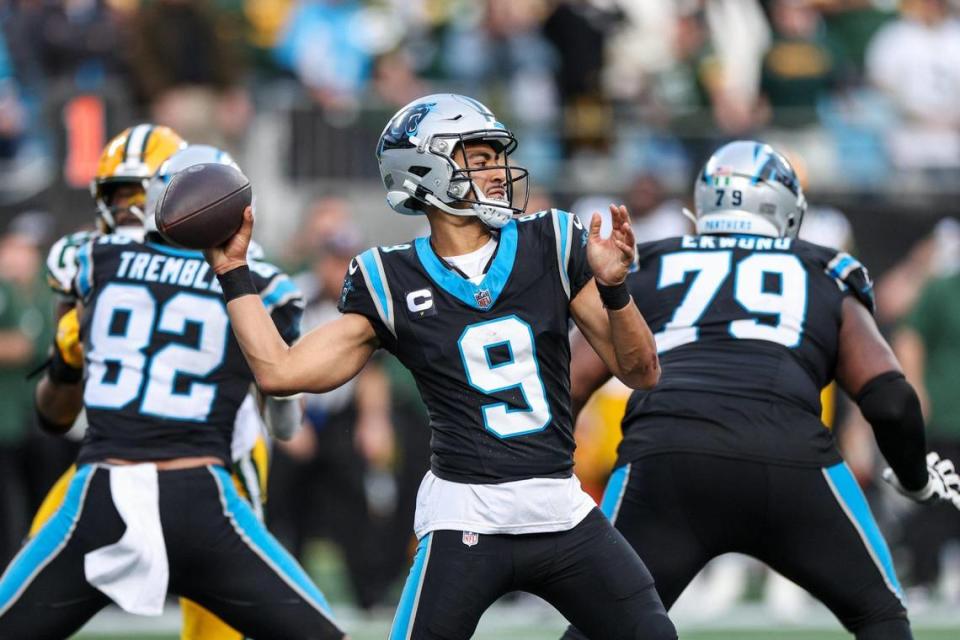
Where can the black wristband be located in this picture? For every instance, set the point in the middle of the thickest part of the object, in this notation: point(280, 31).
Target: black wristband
point(236, 282)
point(614, 297)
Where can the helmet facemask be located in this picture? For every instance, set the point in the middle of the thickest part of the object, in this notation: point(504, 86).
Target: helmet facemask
point(110, 216)
point(494, 209)
point(130, 159)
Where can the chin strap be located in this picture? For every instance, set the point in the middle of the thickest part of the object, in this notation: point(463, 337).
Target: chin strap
point(491, 215)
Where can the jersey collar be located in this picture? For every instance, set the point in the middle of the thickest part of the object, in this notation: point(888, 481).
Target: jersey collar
point(481, 296)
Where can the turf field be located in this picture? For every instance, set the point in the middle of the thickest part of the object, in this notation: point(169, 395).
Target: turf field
point(379, 633)
point(537, 622)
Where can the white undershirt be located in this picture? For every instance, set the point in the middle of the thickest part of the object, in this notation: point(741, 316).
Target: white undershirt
point(535, 505)
point(473, 264)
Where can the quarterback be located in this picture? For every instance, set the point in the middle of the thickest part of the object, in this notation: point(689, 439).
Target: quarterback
point(479, 312)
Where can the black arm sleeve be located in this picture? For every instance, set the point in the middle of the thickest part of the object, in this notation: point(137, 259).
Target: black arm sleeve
point(892, 408)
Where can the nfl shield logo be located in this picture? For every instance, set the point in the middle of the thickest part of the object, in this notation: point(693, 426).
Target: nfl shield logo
point(470, 538)
point(483, 298)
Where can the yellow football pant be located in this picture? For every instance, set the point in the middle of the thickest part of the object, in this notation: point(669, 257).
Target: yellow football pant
point(198, 623)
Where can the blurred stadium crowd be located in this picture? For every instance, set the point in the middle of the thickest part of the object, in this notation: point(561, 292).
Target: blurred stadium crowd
point(612, 100)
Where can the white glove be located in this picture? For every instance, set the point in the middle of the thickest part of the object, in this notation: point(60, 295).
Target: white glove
point(943, 483)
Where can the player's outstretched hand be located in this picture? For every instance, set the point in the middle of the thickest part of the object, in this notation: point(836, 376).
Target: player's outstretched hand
point(232, 253)
point(610, 258)
point(943, 483)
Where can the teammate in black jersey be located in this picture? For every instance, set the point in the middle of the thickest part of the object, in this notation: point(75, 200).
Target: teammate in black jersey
point(479, 312)
point(727, 453)
point(152, 507)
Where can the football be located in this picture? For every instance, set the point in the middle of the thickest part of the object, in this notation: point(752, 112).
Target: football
point(202, 206)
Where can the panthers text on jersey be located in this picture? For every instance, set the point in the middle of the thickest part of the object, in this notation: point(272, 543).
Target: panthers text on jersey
point(491, 360)
point(747, 330)
point(164, 373)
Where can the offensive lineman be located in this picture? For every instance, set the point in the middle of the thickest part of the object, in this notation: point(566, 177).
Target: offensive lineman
point(728, 453)
point(479, 312)
point(151, 507)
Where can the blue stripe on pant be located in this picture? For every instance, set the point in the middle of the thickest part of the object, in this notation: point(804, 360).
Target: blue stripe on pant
point(406, 610)
point(853, 501)
point(48, 542)
point(265, 545)
point(613, 494)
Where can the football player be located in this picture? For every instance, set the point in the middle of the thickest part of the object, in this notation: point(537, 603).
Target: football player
point(479, 312)
point(151, 507)
point(141, 159)
point(727, 453)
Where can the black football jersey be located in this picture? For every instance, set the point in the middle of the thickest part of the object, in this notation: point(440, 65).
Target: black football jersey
point(491, 360)
point(746, 329)
point(164, 374)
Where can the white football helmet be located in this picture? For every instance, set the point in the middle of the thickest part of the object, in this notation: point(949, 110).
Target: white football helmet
point(186, 157)
point(747, 187)
point(416, 151)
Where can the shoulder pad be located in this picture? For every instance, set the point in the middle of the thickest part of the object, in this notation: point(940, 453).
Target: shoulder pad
point(406, 246)
point(370, 264)
point(850, 275)
point(538, 215)
point(62, 260)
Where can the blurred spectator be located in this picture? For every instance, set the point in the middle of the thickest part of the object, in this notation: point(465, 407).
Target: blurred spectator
point(323, 217)
point(799, 68)
point(11, 110)
point(189, 70)
point(936, 255)
point(77, 41)
point(740, 34)
point(654, 215)
point(928, 346)
point(915, 61)
point(395, 81)
point(499, 44)
point(822, 224)
point(586, 113)
point(330, 46)
point(850, 25)
point(641, 47)
point(334, 479)
point(677, 93)
point(25, 336)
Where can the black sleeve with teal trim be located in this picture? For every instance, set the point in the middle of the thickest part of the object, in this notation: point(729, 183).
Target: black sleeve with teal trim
point(371, 301)
point(572, 250)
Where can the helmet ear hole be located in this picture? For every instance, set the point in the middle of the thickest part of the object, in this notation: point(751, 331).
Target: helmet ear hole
point(459, 189)
point(420, 171)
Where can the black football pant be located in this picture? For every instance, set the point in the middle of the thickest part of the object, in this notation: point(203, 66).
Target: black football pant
point(589, 573)
point(219, 555)
point(811, 525)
